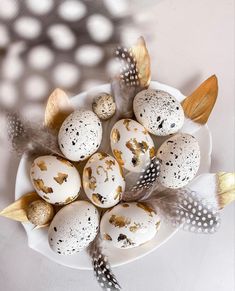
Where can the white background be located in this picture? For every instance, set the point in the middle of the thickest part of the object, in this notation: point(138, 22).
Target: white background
point(193, 39)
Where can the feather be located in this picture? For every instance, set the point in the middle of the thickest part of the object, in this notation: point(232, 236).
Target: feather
point(200, 103)
point(184, 207)
point(102, 270)
point(141, 185)
point(31, 138)
point(134, 76)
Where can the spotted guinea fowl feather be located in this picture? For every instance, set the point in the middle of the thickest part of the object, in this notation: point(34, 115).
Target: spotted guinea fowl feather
point(185, 207)
point(142, 184)
point(26, 137)
point(101, 267)
point(133, 77)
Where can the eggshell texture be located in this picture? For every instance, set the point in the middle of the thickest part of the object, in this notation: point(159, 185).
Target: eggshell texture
point(80, 135)
point(103, 180)
point(158, 111)
point(180, 160)
point(129, 225)
point(131, 145)
point(73, 228)
point(55, 179)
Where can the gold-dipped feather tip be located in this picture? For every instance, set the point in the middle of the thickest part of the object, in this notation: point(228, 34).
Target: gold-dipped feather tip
point(140, 52)
point(18, 209)
point(58, 107)
point(226, 188)
point(199, 104)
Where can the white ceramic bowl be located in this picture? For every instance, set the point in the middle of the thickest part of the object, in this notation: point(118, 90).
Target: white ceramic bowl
point(37, 239)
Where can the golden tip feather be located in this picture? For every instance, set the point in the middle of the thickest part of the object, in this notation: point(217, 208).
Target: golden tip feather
point(199, 104)
point(226, 188)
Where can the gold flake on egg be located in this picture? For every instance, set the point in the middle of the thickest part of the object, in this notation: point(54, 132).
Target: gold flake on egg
point(61, 178)
point(137, 148)
point(69, 199)
point(115, 135)
point(105, 172)
point(126, 122)
point(152, 152)
point(42, 166)
point(118, 156)
point(135, 227)
point(109, 164)
point(119, 221)
point(146, 208)
point(107, 237)
point(92, 183)
point(97, 198)
point(39, 185)
point(125, 205)
point(102, 156)
point(88, 172)
point(118, 193)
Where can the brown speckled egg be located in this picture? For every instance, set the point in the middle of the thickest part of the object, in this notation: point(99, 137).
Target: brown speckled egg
point(104, 106)
point(40, 212)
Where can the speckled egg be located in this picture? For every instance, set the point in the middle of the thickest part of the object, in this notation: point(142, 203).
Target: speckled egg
point(103, 180)
point(104, 106)
point(158, 111)
point(129, 225)
point(131, 145)
point(55, 179)
point(180, 160)
point(80, 135)
point(73, 228)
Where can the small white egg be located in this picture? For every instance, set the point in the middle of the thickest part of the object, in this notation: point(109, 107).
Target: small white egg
point(80, 135)
point(180, 160)
point(73, 228)
point(158, 111)
point(131, 145)
point(103, 180)
point(55, 179)
point(129, 225)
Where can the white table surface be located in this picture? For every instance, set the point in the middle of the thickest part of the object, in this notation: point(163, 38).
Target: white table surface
point(193, 39)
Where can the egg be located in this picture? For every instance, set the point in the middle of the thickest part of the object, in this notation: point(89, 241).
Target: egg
point(104, 106)
point(40, 212)
point(131, 145)
point(180, 160)
point(103, 180)
point(80, 135)
point(158, 111)
point(55, 179)
point(73, 228)
point(129, 225)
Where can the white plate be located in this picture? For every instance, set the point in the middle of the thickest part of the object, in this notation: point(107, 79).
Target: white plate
point(37, 239)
